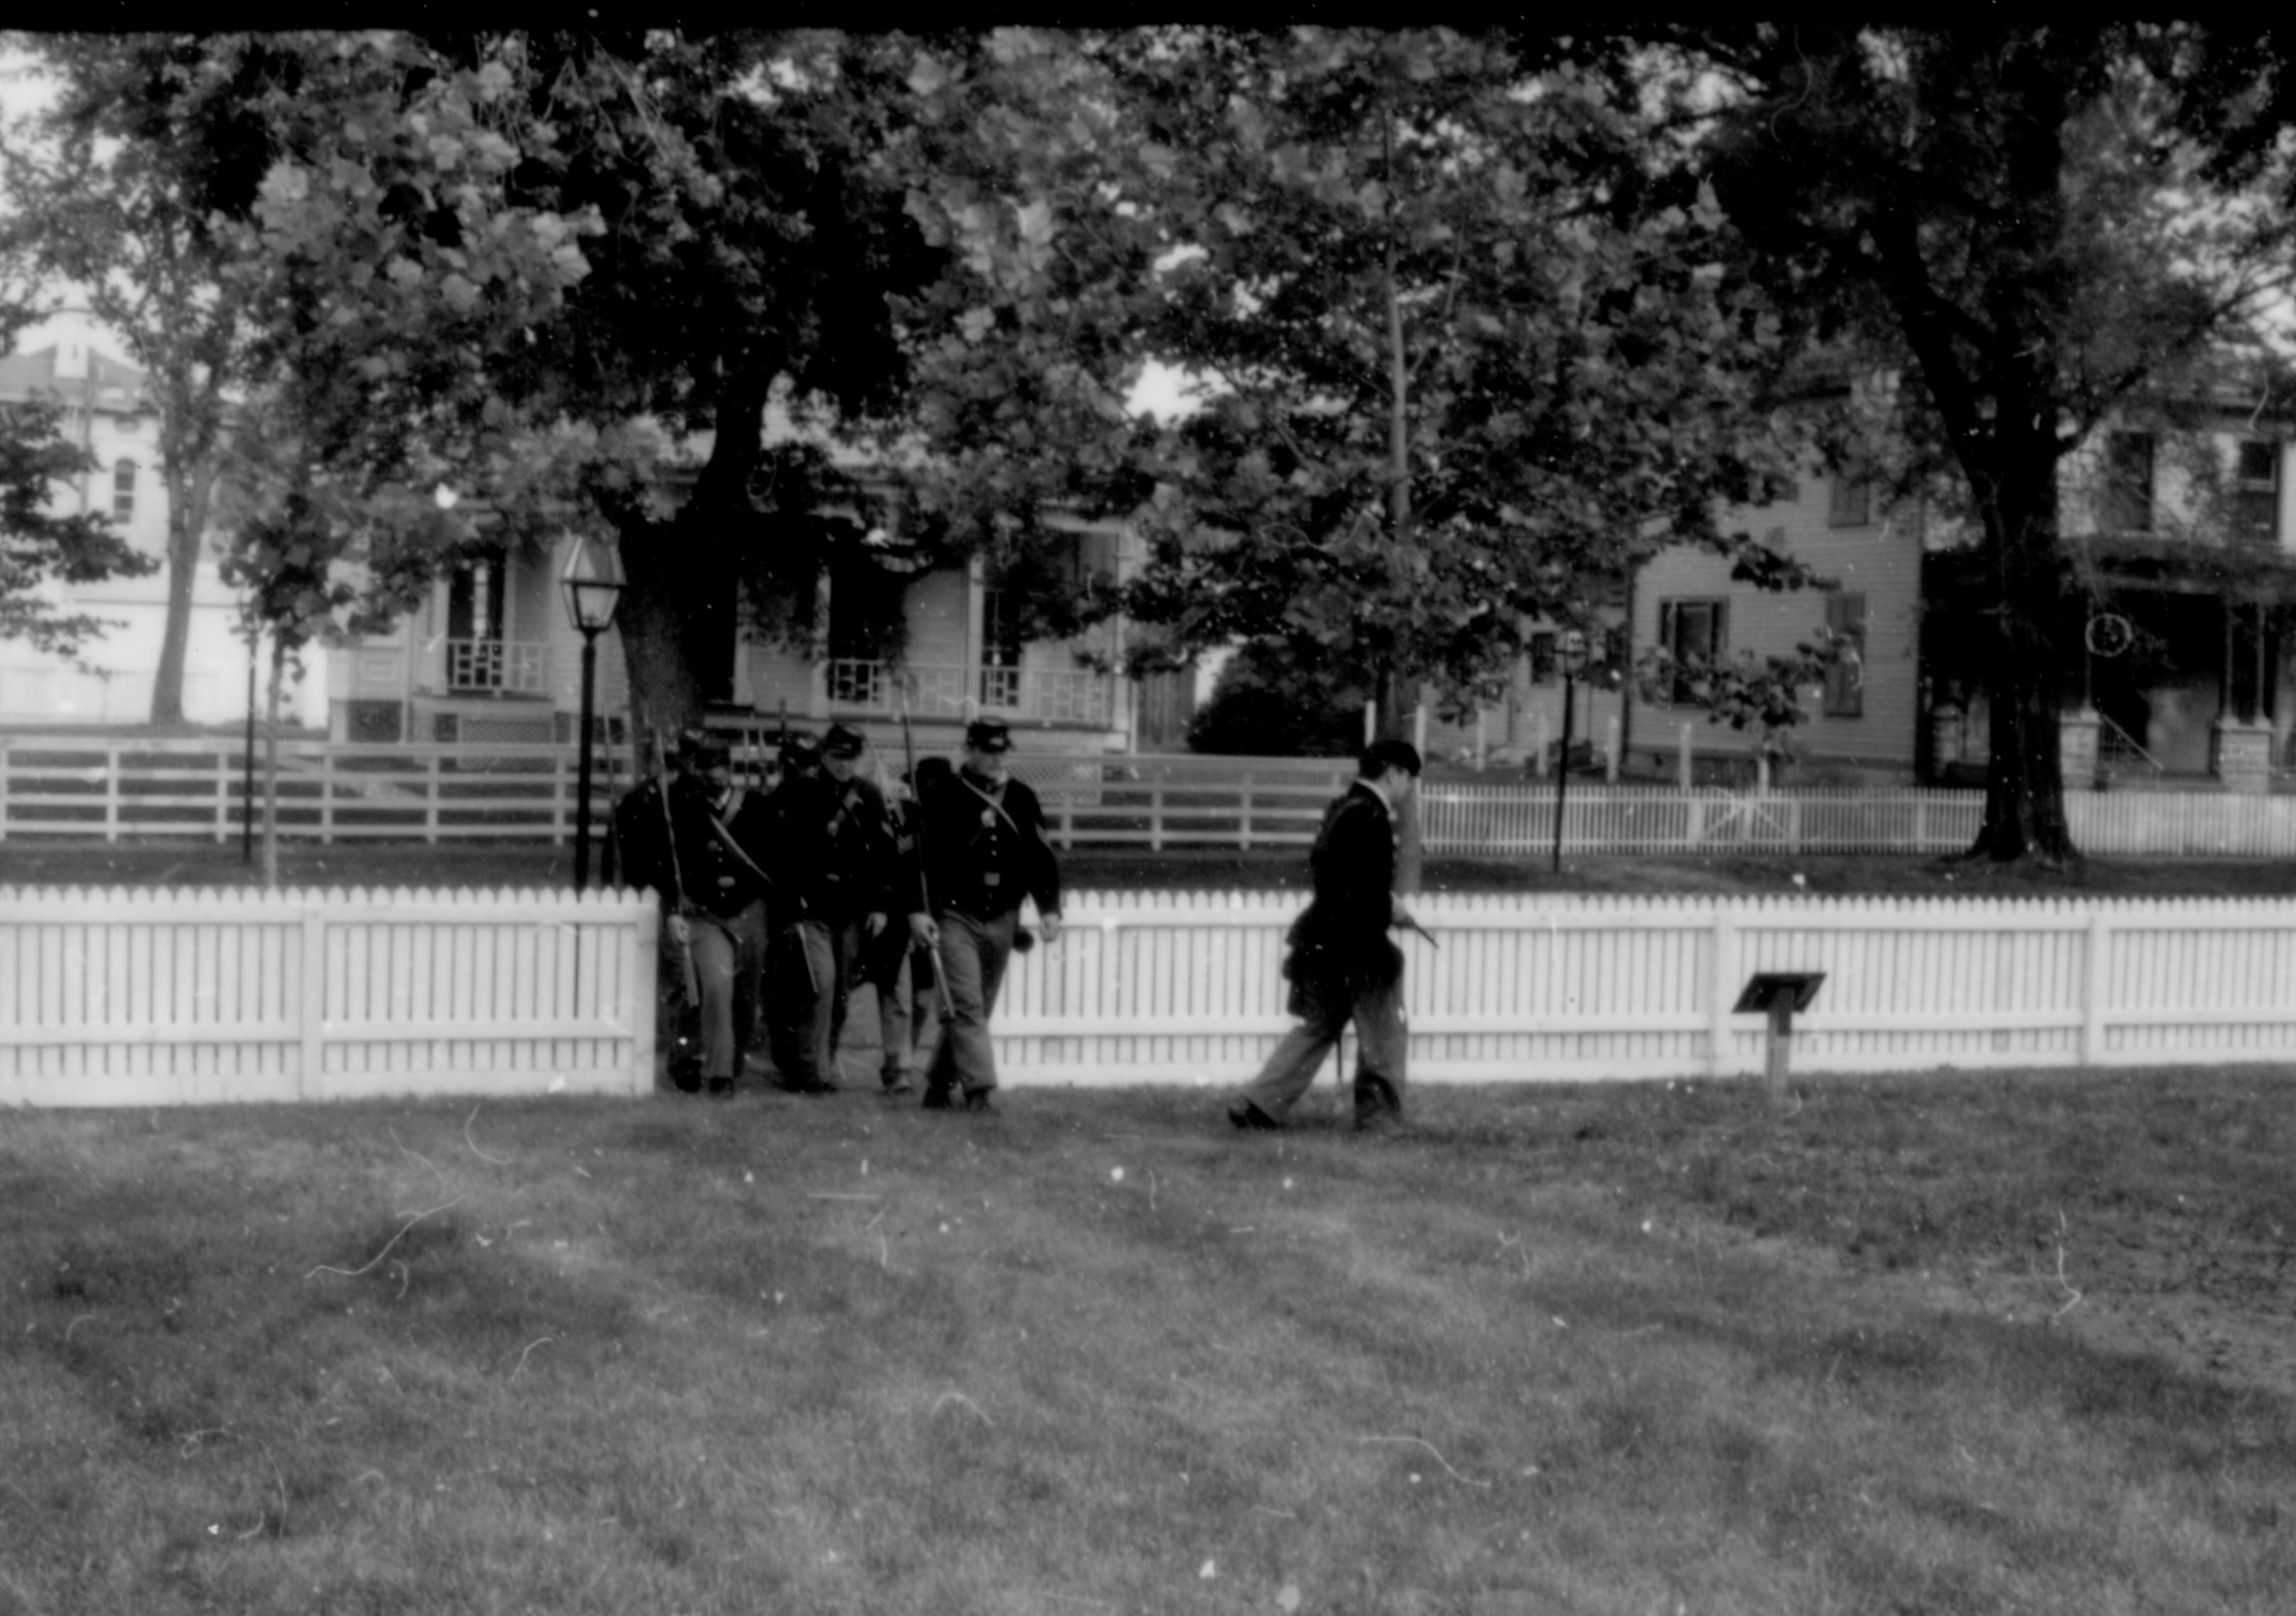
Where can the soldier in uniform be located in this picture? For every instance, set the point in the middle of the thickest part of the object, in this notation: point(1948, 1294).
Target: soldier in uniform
point(892, 964)
point(637, 856)
point(789, 982)
point(842, 865)
point(984, 849)
point(720, 903)
point(1342, 964)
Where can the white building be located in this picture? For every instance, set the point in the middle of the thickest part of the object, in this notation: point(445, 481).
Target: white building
point(109, 410)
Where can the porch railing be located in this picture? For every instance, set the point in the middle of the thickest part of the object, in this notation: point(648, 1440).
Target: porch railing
point(2119, 752)
point(516, 667)
point(1056, 695)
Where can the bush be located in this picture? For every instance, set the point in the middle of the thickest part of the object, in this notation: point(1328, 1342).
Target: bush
point(1277, 700)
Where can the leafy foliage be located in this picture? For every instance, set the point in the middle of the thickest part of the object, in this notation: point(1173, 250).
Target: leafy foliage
point(754, 236)
point(381, 265)
point(1277, 699)
point(2026, 226)
point(38, 546)
point(1466, 353)
point(123, 188)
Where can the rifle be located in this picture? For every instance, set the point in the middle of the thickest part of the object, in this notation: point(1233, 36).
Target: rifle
point(925, 894)
point(1412, 921)
point(687, 978)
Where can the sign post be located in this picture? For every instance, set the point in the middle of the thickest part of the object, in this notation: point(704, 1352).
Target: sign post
point(1779, 995)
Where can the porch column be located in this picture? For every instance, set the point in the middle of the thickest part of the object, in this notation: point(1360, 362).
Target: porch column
point(2077, 748)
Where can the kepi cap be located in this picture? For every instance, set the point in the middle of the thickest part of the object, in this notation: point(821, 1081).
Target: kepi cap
point(698, 746)
point(989, 736)
point(842, 742)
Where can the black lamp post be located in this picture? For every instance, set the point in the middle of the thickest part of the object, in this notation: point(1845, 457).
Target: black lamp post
point(592, 584)
point(1570, 652)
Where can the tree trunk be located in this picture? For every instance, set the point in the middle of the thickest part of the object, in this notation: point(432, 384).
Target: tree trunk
point(271, 765)
point(677, 610)
point(2024, 777)
point(188, 492)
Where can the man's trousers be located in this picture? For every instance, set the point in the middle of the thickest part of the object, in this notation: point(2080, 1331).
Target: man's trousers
point(885, 968)
point(726, 955)
point(973, 954)
point(1326, 1005)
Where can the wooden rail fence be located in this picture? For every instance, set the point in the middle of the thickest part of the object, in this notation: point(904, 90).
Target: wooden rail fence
point(115, 790)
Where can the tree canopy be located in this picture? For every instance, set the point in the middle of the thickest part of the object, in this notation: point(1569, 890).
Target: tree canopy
point(1470, 346)
point(2027, 225)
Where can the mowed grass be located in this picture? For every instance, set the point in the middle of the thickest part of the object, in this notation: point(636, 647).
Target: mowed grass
point(1623, 1350)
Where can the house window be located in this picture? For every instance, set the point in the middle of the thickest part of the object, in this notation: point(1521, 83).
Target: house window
point(2256, 493)
point(1000, 648)
point(1845, 679)
point(1695, 634)
point(123, 491)
point(864, 626)
point(1849, 502)
point(2126, 505)
point(1541, 652)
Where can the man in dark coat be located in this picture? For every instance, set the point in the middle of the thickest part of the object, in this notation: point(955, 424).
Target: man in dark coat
point(842, 869)
point(790, 982)
point(719, 904)
point(638, 856)
point(984, 847)
point(894, 964)
point(1342, 964)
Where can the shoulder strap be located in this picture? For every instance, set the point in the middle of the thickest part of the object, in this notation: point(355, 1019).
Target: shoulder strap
point(991, 801)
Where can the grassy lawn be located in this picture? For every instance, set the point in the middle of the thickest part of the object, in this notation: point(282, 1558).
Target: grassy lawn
point(1913, 1348)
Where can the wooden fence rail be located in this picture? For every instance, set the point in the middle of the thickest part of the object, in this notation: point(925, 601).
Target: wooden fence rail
point(114, 790)
point(150, 997)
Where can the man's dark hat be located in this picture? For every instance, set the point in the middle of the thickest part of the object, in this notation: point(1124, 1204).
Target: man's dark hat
point(698, 746)
point(989, 736)
point(798, 750)
point(842, 742)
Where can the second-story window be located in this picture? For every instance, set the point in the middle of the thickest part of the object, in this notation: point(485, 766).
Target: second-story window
point(1695, 634)
point(1540, 650)
point(123, 491)
point(1849, 503)
point(2256, 492)
point(2125, 502)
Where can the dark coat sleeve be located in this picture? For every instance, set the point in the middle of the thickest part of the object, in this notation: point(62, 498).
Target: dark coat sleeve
point(1044, 867)
point(1354, 869)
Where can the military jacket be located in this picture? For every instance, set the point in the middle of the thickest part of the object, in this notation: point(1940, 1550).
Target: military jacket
point(714, 872)
point(985, 849)
point(839, 849)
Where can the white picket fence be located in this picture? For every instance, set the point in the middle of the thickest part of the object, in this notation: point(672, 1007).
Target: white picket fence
point(148, 998)
point(1165, 987)
point(188, 996)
